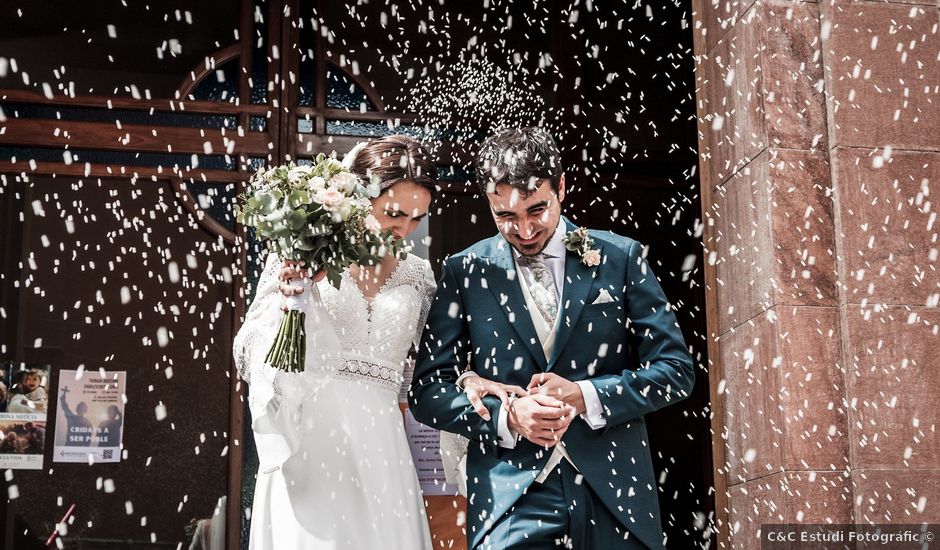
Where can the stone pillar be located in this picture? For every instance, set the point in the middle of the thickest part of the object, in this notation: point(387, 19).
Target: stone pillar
point(882, 81)
point(819, 133)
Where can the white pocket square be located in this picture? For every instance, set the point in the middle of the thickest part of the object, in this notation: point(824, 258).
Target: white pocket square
point(603, 298)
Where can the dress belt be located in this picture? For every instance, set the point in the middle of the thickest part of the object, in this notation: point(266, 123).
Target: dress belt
point(388, 378)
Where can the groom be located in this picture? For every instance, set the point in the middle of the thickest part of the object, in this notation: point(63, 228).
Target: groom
point(579, 319)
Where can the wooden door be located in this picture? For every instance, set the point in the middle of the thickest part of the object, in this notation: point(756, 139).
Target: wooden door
point(123, 148)
point(127, 131)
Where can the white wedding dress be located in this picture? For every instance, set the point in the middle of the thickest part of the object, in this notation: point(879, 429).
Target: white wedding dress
point(335, 466)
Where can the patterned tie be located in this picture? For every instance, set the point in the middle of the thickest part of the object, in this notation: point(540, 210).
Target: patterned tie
point(543, 288)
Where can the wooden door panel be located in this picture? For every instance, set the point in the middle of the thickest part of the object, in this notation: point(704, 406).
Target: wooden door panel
point(118, 276)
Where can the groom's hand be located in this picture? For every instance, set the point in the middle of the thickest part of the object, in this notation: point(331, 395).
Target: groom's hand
point(541, 419)
point(549, 383)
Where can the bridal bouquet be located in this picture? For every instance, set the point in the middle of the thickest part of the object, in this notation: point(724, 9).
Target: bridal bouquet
point(320, 215)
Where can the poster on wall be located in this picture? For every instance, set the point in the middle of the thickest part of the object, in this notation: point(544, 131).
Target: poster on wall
point(24, 399)
point(425, 444)
point(90, 416)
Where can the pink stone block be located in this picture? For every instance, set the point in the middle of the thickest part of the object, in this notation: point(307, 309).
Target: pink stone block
point(888, 222)
point(893, 386)
point(882, 74)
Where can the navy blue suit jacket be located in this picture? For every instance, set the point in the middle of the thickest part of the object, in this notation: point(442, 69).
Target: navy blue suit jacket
point(630, 349)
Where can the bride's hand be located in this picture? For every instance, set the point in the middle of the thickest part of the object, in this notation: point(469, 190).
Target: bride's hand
point(477, 387)
point(291, 271)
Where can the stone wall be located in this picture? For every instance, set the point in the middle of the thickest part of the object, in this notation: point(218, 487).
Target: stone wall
point(819, 134)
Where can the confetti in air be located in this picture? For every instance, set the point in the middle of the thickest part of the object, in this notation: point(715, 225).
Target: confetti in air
point(775, 164)
point(476, 89)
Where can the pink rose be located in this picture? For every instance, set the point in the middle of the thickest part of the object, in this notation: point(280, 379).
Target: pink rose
point(330, 198)
point(591, 258)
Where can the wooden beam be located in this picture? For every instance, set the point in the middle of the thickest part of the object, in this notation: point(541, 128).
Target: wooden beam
point(131, 104)
point(447, 152)
point(130, 138)
point(310, 144)
point(368, 116)
point(12, 203)
point(290, 74)
point(81, 170)
point(319, 53)
point(245, 43)
point(236, 428)
point(236, 425)
point(721, 522)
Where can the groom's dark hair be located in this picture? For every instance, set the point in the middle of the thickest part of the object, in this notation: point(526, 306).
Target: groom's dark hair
point(518, 157)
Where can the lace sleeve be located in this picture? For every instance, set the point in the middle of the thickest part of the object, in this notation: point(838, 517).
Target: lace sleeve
point(261, 320)
point(276, 395)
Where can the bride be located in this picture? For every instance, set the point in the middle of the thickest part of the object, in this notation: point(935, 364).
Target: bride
point(335, 466)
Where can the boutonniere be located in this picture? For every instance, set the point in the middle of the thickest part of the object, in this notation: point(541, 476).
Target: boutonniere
point(579, 241)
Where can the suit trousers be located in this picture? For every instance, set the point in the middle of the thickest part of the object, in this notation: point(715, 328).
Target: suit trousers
point(561, 512)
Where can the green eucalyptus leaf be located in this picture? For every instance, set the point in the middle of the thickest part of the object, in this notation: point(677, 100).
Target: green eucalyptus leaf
point(297, 219)
point(299, 197)
point(334, 277)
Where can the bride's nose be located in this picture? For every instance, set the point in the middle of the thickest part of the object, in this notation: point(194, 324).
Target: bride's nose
point(400, 230)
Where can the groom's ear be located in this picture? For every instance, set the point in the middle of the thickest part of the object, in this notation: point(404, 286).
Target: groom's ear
point(561, 188)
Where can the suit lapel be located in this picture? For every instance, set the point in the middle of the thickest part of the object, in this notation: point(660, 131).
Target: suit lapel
point(579, 280)
point(508, 294)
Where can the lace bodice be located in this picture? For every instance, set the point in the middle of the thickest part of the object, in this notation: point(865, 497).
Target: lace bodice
point(345, 332)
point(381, 330)
point(326, 447)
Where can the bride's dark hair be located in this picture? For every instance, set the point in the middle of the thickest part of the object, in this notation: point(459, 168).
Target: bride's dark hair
point(391, 159)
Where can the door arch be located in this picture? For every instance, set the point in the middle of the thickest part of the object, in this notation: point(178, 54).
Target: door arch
point(278, 90)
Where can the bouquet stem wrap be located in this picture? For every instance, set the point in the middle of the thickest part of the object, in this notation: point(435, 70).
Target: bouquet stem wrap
point(290, 345)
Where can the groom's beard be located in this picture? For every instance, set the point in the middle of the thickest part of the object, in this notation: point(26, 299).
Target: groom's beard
point(530, 249)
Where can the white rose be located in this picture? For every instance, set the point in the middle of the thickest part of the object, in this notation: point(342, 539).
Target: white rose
point(329, 198)
point(267, 178)
point(345, 182)
point(591, 258)
point(334, 165)
point(316, 183)
point(373, 224)
point(298, 173)
point(345, 209)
